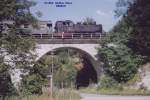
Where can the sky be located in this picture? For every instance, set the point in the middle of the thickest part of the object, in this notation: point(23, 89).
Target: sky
point(102, 11)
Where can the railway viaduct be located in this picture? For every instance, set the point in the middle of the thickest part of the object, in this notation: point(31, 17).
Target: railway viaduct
point(86, 44)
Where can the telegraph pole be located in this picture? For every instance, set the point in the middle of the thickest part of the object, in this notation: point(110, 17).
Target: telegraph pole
point(51, 75)
point(52, 69)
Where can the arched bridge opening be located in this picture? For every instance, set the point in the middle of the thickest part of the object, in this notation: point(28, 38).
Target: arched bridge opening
point(86, 70)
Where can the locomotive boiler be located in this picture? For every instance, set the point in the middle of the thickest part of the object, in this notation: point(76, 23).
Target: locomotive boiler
point(69, 27)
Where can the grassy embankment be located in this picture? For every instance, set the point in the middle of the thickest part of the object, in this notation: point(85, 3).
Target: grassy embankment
point(111, 88)
point(112, 91)
point(57, 95)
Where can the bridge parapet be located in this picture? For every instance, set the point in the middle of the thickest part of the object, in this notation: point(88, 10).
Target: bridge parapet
point(65, 38)
point(67, 41)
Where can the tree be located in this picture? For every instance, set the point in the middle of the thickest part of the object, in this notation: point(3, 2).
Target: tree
point(64, 72)
point(137, 16)
point(5, 12)
point(139, 19)
point(129, 40)
point(120, 62)
point(66, 68)
point(15, 50)
point(6, 86)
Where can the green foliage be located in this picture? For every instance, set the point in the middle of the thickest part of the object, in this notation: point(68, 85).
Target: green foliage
point(65, 69)
point(37, 77)
point(107, 82)
point(6, 87)
point(68, 94)
point(7, 7)
point(120, 61)
point(137, 17)
point(140, 22)
point(122, 6)
point(18, 49)
point(32, 84)
point(116, 91)
point(135, 79)
point(124, 48)
point(64, 73)
point(122, 27)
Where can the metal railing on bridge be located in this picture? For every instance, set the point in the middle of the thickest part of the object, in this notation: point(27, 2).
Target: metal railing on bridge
point(69, 36)
point(57, 38)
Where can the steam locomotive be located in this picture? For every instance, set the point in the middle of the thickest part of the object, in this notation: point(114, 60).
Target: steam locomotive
point(69, 27)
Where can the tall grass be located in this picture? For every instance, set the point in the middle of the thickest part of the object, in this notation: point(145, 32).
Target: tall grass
point(64, 94)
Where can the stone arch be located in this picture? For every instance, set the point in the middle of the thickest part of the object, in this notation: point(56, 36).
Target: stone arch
point(89, 50)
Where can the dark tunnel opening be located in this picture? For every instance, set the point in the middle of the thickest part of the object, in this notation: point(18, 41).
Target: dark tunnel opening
point(86, 75)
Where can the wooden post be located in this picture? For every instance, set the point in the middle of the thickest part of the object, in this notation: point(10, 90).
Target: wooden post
point(50, 77)
point(51, 82)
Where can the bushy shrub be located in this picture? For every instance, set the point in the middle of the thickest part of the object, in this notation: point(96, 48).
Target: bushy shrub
point(6, 86)
point(108, 82)
point(119, 61)
point(32, 84)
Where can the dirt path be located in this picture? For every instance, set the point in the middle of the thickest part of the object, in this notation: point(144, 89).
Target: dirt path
point(104, 97)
